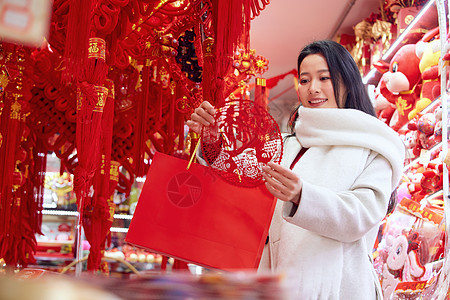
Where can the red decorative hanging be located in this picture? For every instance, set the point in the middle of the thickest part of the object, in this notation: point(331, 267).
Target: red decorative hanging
point(244, 138)
point(89, 41)
point(19, 213)
point(77, 35)
point(91, 100)
point(99, 212)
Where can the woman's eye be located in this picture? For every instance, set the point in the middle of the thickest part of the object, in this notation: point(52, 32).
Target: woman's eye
point(324, 78)
point(303, 81)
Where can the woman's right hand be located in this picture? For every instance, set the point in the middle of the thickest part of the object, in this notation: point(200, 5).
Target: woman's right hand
point(202, 116)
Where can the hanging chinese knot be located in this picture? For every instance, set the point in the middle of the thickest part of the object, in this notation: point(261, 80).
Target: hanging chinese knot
point(112, 84)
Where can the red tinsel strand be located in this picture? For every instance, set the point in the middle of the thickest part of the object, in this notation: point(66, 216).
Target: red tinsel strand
point(77, 35)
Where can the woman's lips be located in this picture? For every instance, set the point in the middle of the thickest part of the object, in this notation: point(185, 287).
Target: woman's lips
point(316, 101)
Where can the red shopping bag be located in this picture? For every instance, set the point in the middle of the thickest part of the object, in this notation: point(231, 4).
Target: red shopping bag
point(196, 216)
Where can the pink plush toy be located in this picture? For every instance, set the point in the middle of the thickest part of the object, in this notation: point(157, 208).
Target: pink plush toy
point(405, 262)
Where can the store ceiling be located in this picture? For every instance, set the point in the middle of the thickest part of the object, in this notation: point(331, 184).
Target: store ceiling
point(285, 26)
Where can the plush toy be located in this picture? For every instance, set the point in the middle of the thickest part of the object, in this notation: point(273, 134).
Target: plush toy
point(403, 84)
point(423, 126)
point(415, 187)
point(431, 181)
point(384, 108)
point(428, 50)
point(389, 283)
point(407, 257)
point(438, 126)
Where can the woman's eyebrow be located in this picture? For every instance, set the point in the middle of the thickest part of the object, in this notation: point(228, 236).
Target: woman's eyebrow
point(319, 71)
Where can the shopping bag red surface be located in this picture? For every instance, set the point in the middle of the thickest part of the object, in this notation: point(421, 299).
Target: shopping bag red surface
point(195, 216)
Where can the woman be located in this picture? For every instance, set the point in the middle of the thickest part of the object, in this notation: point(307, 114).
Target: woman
point(340, 165)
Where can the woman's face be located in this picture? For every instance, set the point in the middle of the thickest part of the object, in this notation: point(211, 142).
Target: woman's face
point(315, 87)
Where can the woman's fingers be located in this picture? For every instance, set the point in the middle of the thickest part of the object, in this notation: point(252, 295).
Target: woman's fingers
point(194, 126)
point(277, 194)
point(282, 182)
point(208, 107)
point(202, 116)
point(284, 172)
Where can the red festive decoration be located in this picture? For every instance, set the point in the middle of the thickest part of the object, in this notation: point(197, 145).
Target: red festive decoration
point(99, 213)
point(19, 209)
point(152, 53)
point(243, 138)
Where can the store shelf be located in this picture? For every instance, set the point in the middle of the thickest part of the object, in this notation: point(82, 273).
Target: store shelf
point(56, 212)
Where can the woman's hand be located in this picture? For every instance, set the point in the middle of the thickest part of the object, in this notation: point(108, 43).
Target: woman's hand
point(202, 116)
point(282, 183)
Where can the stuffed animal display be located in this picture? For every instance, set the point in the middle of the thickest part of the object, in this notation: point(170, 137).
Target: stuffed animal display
point(402, 84)
point(409, 250)
point(412, 242)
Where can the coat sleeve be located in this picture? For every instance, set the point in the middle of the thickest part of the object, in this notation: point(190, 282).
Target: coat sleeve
point(346, 215)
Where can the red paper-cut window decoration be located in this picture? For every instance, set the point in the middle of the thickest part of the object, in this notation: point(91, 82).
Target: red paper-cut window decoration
point(244, 138)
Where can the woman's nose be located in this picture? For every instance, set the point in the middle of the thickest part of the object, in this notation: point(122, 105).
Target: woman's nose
point(313, 87)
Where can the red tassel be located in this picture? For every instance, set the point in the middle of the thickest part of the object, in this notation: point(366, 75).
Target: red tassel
point(142, 108)
point(96, 68)
point(90, 103)
point(260, 92)
point(208, 70)
point(10, 124)
point(75, 51)
point(231, 22)
point(97, 219)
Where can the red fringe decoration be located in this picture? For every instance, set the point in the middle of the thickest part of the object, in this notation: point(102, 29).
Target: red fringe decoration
point(98, 217)
point(96, 68)
point(10, 132)
point(38, 179)
point(141, 122)
point(261, 92)
point(91, 100)
point(208, 71)
point(77, 35)
point(231, 23)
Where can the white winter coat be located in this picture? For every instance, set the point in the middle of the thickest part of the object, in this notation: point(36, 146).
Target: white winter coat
point(353, 163)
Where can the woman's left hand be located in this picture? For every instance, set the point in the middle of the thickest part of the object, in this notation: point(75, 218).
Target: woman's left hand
point(282, 182)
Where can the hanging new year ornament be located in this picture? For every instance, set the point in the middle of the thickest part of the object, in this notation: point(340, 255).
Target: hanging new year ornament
point(243, 138)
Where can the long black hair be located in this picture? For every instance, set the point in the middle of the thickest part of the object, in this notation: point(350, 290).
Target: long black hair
point(342, 66)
